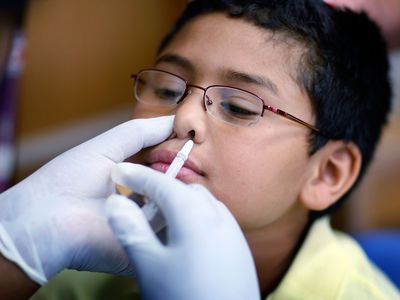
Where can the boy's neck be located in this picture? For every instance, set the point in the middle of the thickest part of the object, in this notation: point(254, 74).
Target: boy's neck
point(274, 248)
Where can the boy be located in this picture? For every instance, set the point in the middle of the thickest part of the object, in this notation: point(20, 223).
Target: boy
point(285, 102)
point(278, 177)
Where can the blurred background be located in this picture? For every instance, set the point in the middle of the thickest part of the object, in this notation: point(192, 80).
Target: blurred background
point(68, 77)
point(376, 202)
point(75, 69)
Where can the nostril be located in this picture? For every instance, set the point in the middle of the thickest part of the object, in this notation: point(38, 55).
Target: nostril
point(192, 133)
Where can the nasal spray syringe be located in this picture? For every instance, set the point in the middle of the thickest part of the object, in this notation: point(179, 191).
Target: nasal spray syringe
point(150, 208)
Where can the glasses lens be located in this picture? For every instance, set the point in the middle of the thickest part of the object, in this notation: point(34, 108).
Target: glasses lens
point(158, 88)
point(233, 106)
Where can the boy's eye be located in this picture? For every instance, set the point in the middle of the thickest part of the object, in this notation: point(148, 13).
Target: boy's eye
point(238, 108)
point(167, 93)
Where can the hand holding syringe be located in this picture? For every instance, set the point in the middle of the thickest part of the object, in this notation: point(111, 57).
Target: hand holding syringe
point(150, 209)
point(216, 253)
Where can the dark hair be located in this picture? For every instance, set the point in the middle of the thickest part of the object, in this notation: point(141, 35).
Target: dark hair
point(344, 69)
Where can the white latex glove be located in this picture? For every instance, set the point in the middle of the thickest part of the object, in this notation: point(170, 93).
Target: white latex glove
point(206, 255)
point(55, 219)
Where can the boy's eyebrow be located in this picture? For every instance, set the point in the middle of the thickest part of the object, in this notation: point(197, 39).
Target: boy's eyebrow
point(228, 74)
point(177, 60)
point(253, 79)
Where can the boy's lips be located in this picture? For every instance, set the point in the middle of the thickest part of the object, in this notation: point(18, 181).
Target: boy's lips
point(160, 160)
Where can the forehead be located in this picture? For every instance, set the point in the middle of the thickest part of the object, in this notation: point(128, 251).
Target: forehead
point(215, 42)
point(215, 33)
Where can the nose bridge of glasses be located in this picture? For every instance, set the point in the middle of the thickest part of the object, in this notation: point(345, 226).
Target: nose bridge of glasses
point(190, 87)
point(189, 91)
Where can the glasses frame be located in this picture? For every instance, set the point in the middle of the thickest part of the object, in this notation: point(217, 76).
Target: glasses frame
point(270, 108)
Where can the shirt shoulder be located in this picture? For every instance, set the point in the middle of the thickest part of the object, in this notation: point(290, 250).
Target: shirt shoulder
point(331, 265)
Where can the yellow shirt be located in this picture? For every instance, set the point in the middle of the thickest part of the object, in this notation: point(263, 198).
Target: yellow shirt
point(330, 265)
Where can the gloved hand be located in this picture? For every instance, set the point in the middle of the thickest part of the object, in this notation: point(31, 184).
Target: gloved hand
point(206, 255)
point(55, 218)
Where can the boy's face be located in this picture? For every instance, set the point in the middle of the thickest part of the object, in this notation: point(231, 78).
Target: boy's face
point(257, 171)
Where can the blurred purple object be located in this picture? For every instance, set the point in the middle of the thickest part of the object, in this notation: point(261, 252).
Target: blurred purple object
point(8, 106)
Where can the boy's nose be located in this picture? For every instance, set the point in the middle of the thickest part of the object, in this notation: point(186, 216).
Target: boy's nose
point(191, 117)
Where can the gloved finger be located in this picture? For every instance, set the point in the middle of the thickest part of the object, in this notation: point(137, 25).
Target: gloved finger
point(221, 212)
point(130, 137)
point(131, 228)
point(176, 200)
point(201, 189)
point(217, 204)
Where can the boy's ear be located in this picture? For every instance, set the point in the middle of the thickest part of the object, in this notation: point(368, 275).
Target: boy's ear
point(333, 170)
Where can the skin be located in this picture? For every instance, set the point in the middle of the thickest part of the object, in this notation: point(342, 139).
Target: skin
point(263, 173)
point(15, 285)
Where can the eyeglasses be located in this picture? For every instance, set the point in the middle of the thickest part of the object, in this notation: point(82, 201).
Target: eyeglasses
point(162, 89)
